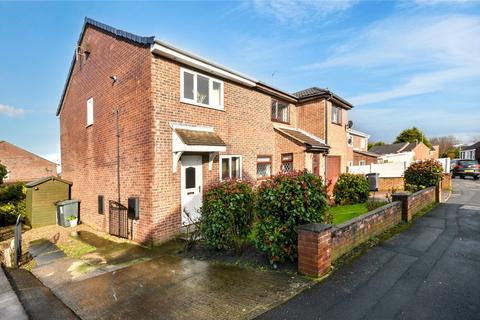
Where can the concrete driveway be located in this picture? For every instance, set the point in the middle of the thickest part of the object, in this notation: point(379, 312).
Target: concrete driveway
point(431, 271)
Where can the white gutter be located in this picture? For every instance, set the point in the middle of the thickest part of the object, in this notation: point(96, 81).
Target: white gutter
point(200, 63)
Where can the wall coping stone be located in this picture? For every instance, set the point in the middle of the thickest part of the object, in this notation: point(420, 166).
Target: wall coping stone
point(315, 227)
point(364, 216)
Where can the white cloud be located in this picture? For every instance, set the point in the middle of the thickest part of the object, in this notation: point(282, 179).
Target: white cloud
point(11, 111)
point(433, 52)
point(297, 12)
point(440, 2)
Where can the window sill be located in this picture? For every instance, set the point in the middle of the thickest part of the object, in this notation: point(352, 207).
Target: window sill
point(89, 125)
point(279, 121)
point(336, 123)
point(221, 108)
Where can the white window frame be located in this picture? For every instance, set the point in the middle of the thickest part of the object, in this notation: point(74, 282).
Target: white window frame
point(210, 90)
point(90, 111)
point(362, 143)
point(229, 157)
point(362, 163)
point(338, 119)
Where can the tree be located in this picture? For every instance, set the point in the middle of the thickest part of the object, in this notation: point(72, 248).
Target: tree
point(375, 144)
point(446, 143)
point(412, 135)
point(3, 172)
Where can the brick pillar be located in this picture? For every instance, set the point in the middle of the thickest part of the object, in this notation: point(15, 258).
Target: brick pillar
point(438, 193)
point(314, 249)
point(404, 198)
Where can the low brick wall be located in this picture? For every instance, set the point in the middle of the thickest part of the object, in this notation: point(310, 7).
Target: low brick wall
point(447, 181)
point(350, 234)
point(320, 244)
point(387, 184)
point(413, 203)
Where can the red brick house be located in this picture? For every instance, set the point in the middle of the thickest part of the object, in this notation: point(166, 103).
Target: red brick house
point(24, 166)
point(142, 119)
point(357, 142)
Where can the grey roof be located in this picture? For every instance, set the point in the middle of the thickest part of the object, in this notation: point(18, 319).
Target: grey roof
point(45, 179)
point(139, 40)
point(473, 146)
point(366, 153)
point(310, 92)
point(389, 148)
point(316, 92)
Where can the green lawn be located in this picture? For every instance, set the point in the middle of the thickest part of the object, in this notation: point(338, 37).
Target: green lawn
point(345, 213)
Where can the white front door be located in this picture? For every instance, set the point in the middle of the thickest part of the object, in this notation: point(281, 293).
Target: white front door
point(191, 185)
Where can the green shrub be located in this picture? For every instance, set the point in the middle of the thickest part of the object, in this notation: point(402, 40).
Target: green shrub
point(227, 214)
point(423, 174)
point(284, 202)
point(12, 203)
point(351, 189)
point(3, 172)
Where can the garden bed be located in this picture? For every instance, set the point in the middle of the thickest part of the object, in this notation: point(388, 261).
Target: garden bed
point(250, 257)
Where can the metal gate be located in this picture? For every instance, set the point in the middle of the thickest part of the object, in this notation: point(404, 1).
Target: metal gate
point(118, 219)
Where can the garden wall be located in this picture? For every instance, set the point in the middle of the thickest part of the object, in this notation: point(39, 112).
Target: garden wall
point(387, 184)
point(319, 244)
point(350, 234)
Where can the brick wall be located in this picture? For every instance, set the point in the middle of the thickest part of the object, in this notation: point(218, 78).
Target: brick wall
point(350, 234)
point(24, 166)
point(245, 125)
point(89, 153)
point(447, 181)
point(319, 244)
point(413, 203)
point(387, 184)
point(357, 157)
point(337, 138)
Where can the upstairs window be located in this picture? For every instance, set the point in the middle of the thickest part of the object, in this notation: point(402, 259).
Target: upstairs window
point(264, 167)
point(230, 167)
point(280, 111)
point(287, 162)
point(201, 90)
point(362, 143)
point(336, 115)
point(89, 112)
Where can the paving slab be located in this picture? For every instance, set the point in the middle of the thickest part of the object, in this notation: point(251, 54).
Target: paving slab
point(10, 306)
point(170, 287)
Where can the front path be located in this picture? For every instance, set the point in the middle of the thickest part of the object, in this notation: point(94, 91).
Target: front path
point(431, 271)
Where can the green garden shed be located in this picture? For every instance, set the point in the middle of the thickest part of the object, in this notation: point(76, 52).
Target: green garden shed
point(42, 195)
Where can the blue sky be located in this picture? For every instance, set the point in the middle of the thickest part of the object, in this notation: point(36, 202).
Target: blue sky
point(403, 64)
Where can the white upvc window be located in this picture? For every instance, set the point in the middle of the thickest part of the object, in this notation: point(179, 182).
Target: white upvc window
point(361, 163)
point(230, 167)
point(89, 112)
point(336, 115)
point(201, 90)
point(362, 143)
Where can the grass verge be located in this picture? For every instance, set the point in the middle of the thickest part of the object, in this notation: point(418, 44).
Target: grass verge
point(344, 213)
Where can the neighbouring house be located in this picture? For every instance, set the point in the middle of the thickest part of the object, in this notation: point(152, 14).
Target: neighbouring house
point(359, 155)
point(22, 165)
point(150, 125)
point(471, 152)
point(404, 152)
